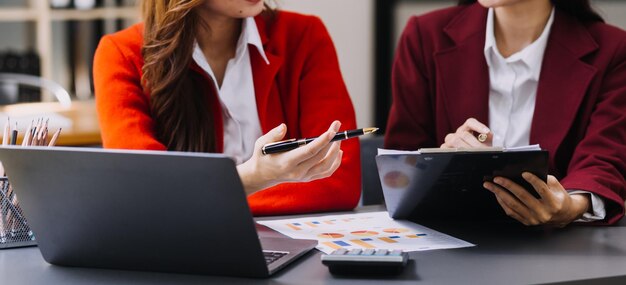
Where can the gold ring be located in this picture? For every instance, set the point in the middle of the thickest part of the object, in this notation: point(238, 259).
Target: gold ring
point(482, 138)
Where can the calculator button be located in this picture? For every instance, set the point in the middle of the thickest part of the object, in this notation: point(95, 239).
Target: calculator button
point(396, 252)
point(355, 251)
point(381, 252)
point(340, 251)
point(369, 251)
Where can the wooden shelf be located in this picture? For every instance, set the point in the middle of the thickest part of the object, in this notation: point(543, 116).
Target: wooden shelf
point(94, 14)
point(17, 14)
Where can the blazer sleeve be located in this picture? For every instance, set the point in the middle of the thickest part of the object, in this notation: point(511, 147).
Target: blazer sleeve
point(598, 164)
point(411, 123)
point(123, 108)
point(323, 98)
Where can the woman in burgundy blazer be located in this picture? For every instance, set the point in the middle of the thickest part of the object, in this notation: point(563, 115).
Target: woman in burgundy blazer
point(441, 79)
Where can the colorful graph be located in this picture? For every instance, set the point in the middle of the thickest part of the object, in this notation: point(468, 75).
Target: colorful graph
point(331, 245)
point(416, 236)
point(330, 235)
point(312, 224)
point(363, 243)
point(396, 230)
point(364, 233)
point(295, 226)
point(387, 240)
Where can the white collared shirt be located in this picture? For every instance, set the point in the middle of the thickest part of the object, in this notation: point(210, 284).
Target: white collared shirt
point(242, 126)
point(513, 85)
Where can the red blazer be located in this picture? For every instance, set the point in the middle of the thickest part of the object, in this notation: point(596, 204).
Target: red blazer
point(301, 87)
point(441, 78)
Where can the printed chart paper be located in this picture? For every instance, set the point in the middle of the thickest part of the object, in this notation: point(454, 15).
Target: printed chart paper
point(366, 230)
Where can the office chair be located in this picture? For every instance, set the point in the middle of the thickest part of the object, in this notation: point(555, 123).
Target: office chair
point(372, 192)
point(35, 81)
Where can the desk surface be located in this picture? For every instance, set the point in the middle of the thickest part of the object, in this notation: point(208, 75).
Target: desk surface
point(505, 254)
point(85, 129)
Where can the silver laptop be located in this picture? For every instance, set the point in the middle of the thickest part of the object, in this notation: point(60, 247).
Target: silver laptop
point(143, 210)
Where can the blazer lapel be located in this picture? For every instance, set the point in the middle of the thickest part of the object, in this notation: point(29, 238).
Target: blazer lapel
point(465, 87)
point(563, 82)
point(268, 101)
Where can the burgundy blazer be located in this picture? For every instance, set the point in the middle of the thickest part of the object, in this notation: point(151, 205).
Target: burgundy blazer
point(441, 78)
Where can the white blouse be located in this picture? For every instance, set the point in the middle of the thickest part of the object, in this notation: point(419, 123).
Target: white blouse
point(242, 126)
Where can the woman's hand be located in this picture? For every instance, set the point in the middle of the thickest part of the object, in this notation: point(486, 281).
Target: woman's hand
point(556, 206)
point(465, 136)
point(316, 160)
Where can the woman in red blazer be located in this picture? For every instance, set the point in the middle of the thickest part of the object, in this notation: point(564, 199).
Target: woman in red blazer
point(198, 71)
point(565, 70)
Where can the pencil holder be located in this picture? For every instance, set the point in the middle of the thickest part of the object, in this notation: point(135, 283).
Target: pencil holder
point(14, 230)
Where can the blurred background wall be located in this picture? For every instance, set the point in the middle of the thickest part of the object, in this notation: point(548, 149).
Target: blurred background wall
point(365, 33)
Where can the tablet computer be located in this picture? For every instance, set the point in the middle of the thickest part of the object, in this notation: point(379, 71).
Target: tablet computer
point(449, 185)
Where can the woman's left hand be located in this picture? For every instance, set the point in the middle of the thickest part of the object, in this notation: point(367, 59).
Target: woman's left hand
point(556, 206)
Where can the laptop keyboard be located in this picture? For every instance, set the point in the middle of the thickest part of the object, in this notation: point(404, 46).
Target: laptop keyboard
point(271, 256)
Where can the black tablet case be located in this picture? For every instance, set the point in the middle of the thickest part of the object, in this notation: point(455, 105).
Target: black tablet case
point(448, 185)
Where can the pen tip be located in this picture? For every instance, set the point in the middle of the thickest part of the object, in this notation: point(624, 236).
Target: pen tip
point(369, 130)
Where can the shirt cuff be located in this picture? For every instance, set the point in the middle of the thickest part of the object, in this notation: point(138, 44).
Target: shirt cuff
point(597, 206)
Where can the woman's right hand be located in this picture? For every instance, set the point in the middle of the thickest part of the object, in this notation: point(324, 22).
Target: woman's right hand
point(465, 137)
point(316, 160)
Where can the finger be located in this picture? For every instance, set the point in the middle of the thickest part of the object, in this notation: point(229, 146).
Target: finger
point(521, 193)
point(540, 186)
point(455, 141)
point(336, 162)
point(512, 213)
point(320, 156)
point(508, 199)
point(472, 124)
point(446, 141)
point(274, 135)
point(317, 163)
point(470, 139)
point(310, 167)
point(317, 145)
point(333, 168)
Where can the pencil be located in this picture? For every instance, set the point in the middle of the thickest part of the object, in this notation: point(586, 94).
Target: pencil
point(44, 133)
point(44, 137)
point(14, 135)
point(26, 140)
point(32, 135)
point(35, 140)
point(54, 138)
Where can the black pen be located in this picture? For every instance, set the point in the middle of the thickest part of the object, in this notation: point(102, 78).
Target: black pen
point(288, 145)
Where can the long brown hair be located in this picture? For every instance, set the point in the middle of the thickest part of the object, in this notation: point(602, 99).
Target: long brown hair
point(178, 105)
point(580, 9)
